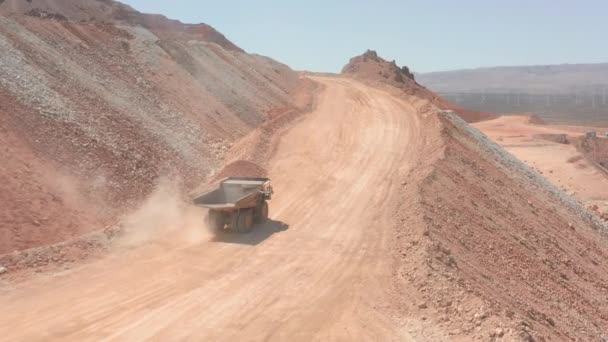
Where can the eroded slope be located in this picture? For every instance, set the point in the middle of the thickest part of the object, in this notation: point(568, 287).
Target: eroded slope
point(503, 253)
point(110, 103)
point(486, 248)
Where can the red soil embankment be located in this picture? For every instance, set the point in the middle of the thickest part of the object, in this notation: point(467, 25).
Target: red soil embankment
point(107, 102)
point(504, 253)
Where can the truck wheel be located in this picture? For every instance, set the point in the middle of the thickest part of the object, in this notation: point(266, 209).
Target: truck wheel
point(234, 222)
point(261, 212)
point(264, 211)
point(215, 221)
point(245, 221)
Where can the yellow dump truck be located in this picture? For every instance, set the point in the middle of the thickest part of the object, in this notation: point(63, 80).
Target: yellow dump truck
point(237, 203)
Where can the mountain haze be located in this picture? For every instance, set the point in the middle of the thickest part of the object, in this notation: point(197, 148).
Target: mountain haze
point(568, 93)
point(540, 79)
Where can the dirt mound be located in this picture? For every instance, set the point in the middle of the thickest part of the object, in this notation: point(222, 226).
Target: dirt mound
point(553, 137)
point(40, 204)
point(107, 101)
point(536, 120)
point(241, 168)
point(115, 12)
point(372, 68)
point(67, 9)
point(594, 149)
point(501, 252)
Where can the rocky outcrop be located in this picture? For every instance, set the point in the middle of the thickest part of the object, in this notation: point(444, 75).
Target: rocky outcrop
point(372, 68)
point(370, 65)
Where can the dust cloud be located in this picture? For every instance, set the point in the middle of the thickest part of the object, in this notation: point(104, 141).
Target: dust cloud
point(165, 218)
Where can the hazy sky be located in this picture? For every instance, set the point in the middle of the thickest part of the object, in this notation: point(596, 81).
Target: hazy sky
point(432, 35)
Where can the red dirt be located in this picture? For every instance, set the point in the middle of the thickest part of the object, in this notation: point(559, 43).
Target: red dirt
point(491, 249)
point(262, 142)
point(594, 149)
point(465, 244)
point(41, 203)
point(555, 151)
point(536, 120)
point(112, 11)
point(241, 168)
point(107, 102)
point(434, 232)
point(500, 252)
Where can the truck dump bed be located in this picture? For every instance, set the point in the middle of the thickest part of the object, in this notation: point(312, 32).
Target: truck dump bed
point(233, 193)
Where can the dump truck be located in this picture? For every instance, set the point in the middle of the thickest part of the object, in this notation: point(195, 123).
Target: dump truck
point(237, 203)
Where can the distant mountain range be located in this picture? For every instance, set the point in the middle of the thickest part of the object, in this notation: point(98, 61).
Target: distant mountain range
point(569, 93)
point(564, 78)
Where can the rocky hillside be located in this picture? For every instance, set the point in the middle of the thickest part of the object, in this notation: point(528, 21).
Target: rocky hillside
point(99, 102)
point(489, 250)
point(114, 12)
point(594, 149)
point(486, 248)
point(372, 68)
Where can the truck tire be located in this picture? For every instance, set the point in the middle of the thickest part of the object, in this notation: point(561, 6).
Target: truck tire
point(215, 221)
point(245, 221)
point(234, 221)
point(264, 211)
point(261, 212)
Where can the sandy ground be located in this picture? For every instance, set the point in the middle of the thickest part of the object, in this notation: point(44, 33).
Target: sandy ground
point(390, 221)
point(562, 164)
point(319, 269)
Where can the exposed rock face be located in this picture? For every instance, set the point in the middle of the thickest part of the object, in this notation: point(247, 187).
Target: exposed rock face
point(373, 68)
point(371, 65)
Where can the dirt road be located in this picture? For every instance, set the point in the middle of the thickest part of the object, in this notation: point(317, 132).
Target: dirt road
point(320, 269)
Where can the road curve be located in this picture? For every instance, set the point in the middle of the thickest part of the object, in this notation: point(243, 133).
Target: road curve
point(320, 269)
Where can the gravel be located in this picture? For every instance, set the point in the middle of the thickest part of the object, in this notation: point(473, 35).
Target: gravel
point(30, 85)
point(519, 169)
